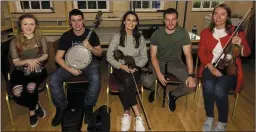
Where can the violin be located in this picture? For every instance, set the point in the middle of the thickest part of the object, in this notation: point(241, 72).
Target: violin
point(227, 65)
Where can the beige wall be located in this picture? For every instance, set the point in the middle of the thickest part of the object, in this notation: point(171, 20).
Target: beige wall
point(197, 18)
point(118, 8)
point(5, 22)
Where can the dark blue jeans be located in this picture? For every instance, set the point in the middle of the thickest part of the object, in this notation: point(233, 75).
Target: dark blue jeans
point(216, 89)
point(92, 72)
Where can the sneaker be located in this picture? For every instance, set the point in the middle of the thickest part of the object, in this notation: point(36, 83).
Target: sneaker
point(33, 120)
point(88, 112)
point(220, 127)
point(58, 116)
point(172, 101)
point(151, 97)
point(126, 122)
point(139, 127)
point(208, 124)
point(40, 112)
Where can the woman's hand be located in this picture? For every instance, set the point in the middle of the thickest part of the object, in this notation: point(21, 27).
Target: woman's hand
point(215, 72)
point(133, 70)
point(32, 64)
point(125, 68)
point(236, 40)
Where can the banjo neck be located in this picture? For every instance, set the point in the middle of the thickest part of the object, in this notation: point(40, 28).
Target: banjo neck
point(90, 33)
point(96, 23)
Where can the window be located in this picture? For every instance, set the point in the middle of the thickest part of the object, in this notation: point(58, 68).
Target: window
point(204, 5)
point(34, 6)
point(147, 5)
point(91, 6)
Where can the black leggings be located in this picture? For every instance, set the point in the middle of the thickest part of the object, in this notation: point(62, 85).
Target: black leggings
point(127, 87)
point(27, 99)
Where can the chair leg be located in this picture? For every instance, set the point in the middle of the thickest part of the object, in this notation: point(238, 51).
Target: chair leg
point(142, 93)
point(9, 107)
point(196, 94)
point(108, 97)
point(49, 94)
point(186, 102)
point(164, 95)
point(234, 108)
point(198, 91)
point(65, 87)
point(156, 85)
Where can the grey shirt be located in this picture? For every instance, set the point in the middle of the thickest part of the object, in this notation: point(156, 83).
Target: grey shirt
point(139, 54)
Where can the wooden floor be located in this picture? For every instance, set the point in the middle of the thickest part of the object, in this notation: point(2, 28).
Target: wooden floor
point(161, 119)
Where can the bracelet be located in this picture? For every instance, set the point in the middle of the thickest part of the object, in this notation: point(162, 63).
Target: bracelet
point(192, 75)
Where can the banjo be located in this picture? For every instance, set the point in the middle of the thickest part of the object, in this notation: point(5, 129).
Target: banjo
point(79, 57)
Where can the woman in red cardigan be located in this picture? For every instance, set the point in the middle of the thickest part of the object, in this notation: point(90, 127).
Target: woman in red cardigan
point(215, 85)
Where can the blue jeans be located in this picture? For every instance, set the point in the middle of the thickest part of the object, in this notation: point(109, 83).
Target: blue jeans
point(92, 72)
point(216, 89)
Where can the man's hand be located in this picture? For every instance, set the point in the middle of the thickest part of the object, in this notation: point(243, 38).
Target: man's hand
point(161, 78)
point(75, 72)
point(87, 45)
point(191, 82)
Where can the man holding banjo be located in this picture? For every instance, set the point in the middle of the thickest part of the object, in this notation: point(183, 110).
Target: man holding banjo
point(77, 54)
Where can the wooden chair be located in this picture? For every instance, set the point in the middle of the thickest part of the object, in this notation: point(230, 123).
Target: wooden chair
point(172, 80)
point(113, 85)
point(75, 79)
point(9, 95)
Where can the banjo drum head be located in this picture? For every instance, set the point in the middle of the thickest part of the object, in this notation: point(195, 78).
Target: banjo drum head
point(78, 57)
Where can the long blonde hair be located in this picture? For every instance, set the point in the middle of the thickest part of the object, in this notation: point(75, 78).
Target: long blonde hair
point(21, 39)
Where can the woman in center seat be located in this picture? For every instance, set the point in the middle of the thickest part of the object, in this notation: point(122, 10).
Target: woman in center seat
point(131, 43)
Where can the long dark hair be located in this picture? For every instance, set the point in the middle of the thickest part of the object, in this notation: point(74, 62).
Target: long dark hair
point(228, 22)
point(135, 32)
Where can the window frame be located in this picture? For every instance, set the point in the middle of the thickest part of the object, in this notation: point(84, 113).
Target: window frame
point(19, 9)
point(148, 9)
point(201, 5)
point(75, 6)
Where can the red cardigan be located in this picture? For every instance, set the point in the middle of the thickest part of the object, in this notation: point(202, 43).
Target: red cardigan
point(207, 43)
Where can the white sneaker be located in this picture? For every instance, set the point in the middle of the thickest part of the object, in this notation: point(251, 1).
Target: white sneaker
point(139, 127)
point(220, 127)
point(208, 124)
point(126, 122)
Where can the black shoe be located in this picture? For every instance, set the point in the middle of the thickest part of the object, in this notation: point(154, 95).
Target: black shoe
point(151, 97)
point(40, 112)
point(33, 120)
point(88, 114)
point(172, 102)
point(58, 116)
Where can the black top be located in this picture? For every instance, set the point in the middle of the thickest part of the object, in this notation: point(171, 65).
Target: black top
point(69, 38)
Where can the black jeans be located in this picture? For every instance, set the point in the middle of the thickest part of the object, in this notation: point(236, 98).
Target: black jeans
point(127, 87)
point(27, 99)
point(216, 89)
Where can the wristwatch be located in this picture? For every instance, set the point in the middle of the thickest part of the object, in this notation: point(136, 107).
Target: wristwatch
point(192, 75)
